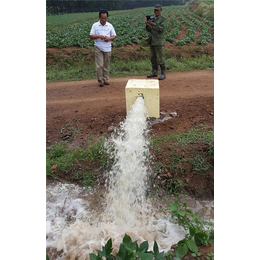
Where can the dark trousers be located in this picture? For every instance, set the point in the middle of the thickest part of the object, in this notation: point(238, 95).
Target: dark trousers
point(157, 56)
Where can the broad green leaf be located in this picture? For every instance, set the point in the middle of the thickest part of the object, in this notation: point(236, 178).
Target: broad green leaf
point(199, 238)
point(182, 213)
point(145, 256)
point(92, 256)
point(159, 256)
point(144, 246)
point(122, 251)
point(173, 207)
point(101, 253)
point(192, 246)
point(127, 241)
point(181, 250)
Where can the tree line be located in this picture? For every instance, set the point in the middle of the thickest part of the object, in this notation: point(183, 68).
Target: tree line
point(80, 6)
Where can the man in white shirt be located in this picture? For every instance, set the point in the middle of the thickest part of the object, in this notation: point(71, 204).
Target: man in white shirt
point(103, 33)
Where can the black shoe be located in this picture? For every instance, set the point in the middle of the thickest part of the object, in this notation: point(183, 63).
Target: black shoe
point(153, 74)
point(162, 76)
point(162, 72)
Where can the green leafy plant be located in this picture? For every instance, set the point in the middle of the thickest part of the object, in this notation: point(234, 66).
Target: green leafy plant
point(128, 250)
point(210, 256)
point(199, 232)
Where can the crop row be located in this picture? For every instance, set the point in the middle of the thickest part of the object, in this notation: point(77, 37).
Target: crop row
point(130, 28)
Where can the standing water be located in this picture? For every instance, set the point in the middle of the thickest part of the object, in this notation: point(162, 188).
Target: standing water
point(75, 229)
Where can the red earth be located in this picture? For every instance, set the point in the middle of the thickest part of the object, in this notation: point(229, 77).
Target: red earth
point(96, 109)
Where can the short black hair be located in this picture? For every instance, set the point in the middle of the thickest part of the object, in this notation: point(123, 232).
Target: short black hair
point(103, 12)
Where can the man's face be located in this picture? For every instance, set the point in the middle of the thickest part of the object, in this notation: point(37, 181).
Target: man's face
point(157, 12)
point(103, 19)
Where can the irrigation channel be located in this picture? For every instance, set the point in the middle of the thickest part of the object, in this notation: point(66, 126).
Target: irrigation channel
point(75, 226)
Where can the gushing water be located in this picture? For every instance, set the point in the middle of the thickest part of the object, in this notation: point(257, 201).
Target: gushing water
point(76, 229)
point(128, 177)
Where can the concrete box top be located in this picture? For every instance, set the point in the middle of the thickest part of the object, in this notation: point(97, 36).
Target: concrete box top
point(143, 83)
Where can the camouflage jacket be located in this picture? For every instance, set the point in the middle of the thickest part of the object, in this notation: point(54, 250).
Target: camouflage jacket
point(156, 32)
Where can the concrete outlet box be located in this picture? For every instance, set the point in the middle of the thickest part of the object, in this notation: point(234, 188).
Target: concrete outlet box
point(150, 90)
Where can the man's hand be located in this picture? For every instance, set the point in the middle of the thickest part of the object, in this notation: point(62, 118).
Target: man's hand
point(106, 39)
point(149, 22)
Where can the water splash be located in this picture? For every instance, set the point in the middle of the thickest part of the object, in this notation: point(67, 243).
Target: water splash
point(129, 175)
point(76, 229)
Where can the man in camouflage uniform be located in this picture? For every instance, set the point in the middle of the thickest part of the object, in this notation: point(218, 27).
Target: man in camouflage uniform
point(156, 41)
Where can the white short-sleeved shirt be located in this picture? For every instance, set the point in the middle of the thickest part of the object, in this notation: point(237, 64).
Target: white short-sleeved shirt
point(105, 30)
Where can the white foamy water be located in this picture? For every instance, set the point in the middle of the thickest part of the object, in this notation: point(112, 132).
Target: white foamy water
point(77, 226)
point(78, 229)
point(129, 175)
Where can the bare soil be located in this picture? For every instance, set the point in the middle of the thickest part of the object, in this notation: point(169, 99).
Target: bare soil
point(96, 109)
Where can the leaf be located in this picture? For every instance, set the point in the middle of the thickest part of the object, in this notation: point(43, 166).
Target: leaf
point(182, 213)
point(145, 256)
point(192, 246)
point(155, 248)
point(144, 246)
point(54, 166)
point(192, 231)
point(127, 241)
point(173, 207)
point(159, 256)
point(108, 247)
point(122, 251)
point(199, 238)
point(211, 237)
point(92, 256)
point(156, 251)
point(181, 250)
point(126, 253)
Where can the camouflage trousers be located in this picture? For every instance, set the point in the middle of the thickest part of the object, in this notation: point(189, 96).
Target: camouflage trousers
point(157, 56)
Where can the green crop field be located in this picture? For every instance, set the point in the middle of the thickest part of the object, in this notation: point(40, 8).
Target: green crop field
point(189, 37)
point(73, 29)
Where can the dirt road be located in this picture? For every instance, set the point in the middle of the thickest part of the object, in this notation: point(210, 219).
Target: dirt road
point(80, 108)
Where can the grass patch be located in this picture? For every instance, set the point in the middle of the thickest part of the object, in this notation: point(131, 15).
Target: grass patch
point(79, 66)
point(79, 165)
point(177, 156)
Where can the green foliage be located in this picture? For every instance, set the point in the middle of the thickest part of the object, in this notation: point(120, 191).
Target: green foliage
point(206, 9)
point(128, 250)
point(199, 232)
point(69, 30)
point(75, 164)
point(76, 68)
point(191, 151)
point(73, 29)
point(210, 256)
